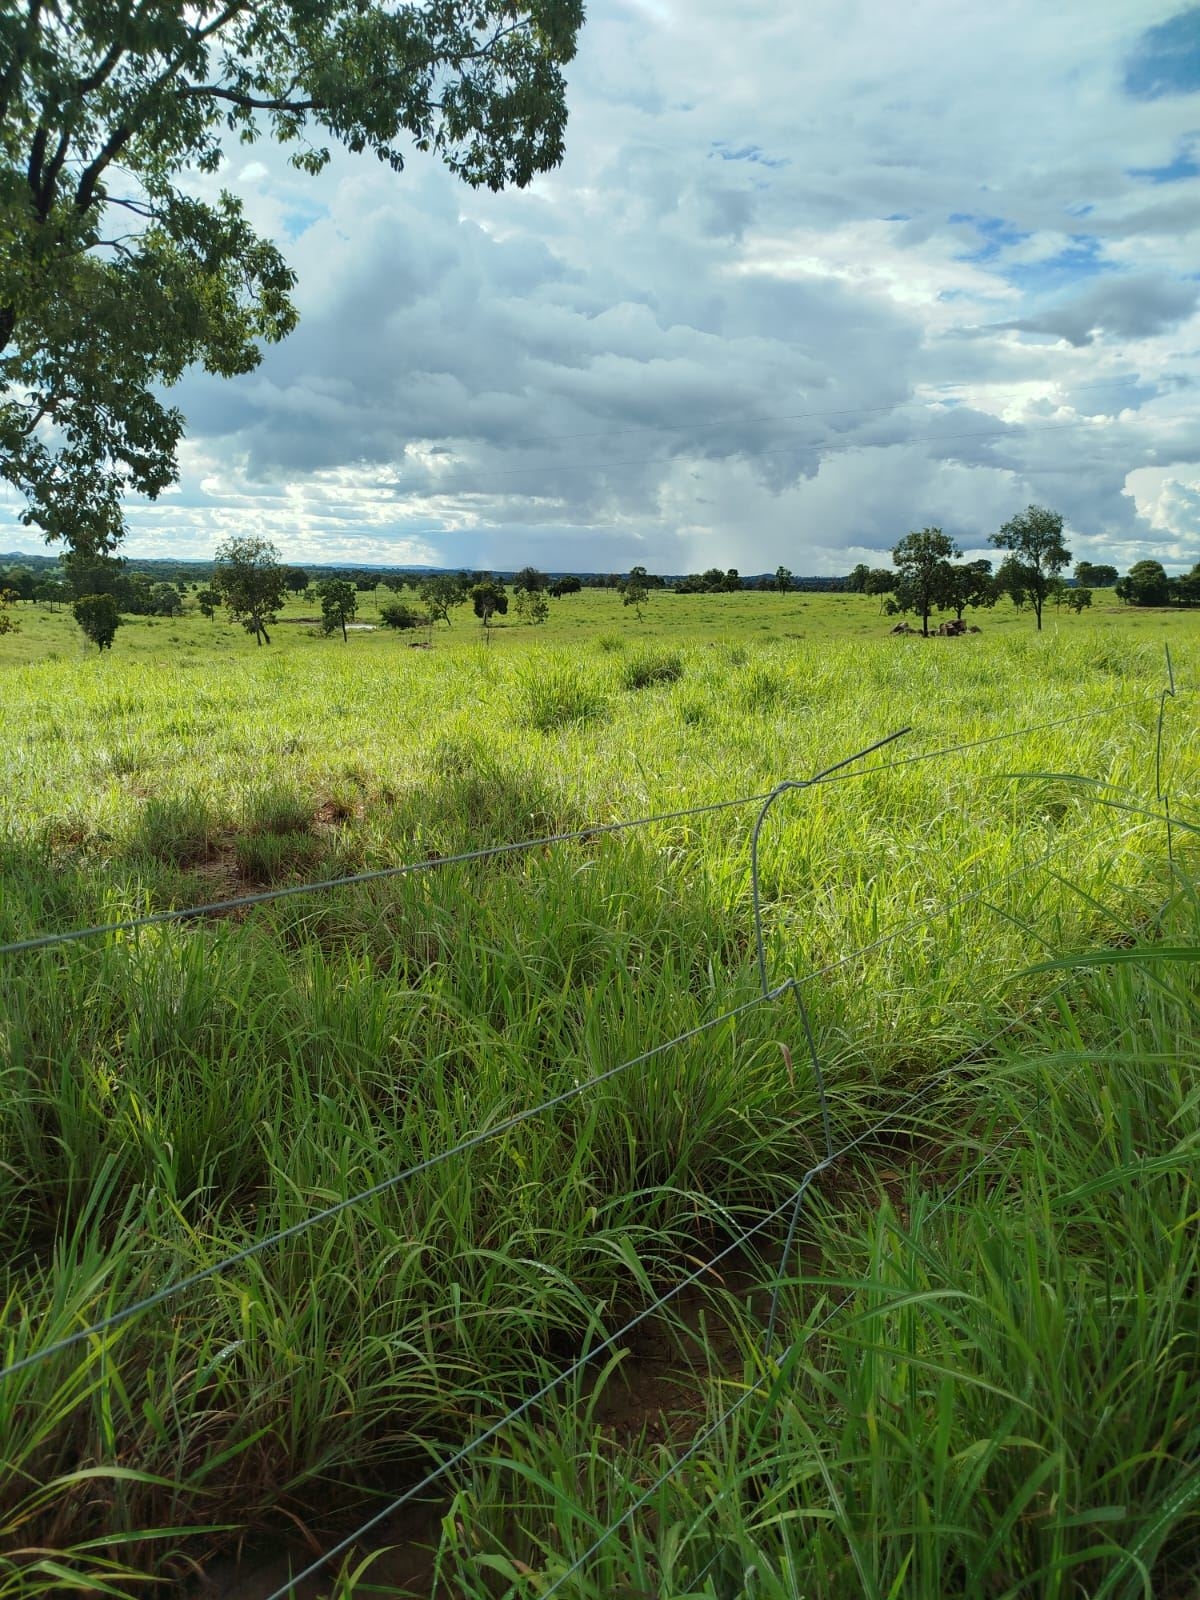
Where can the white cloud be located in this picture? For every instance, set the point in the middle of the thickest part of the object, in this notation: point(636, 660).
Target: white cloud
point(808, 277)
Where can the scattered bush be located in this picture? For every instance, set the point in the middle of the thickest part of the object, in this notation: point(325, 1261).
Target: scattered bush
point(276, 810)
point(180, 829)
point(268, 857)
point(760, 687)
point(399, 615)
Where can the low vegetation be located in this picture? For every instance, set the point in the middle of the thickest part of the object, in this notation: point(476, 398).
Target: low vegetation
point(180, 1093)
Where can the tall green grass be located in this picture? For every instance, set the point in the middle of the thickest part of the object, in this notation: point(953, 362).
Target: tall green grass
point(990, 1387)
point(174, 1095)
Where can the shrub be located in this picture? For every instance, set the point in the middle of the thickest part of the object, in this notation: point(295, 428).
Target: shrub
point(759, 687)
point(609, 643)
point(652, 666)
point(400, 615)
point(276, 810)
point(267, 857)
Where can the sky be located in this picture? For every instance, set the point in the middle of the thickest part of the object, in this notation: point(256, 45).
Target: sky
point(809, 277)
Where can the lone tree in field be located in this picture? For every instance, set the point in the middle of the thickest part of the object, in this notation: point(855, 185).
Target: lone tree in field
point(782, 582)
point(922, 563)
point(121, 267)
point(533, 606)
point(208, 600)
point(339, 604)
point(296, 579)
point(634, 593)
point(440, 593)
point(488, 598)
point(249, 579)
point(1145, 584)
point(99, 618)
point(1036, 556)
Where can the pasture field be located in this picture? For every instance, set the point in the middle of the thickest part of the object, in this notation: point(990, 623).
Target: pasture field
point(985, 1380)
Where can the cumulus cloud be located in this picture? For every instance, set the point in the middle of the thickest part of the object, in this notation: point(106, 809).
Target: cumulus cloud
point(808, 277)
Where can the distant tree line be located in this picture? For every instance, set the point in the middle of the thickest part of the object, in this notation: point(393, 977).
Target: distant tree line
point(248, 579)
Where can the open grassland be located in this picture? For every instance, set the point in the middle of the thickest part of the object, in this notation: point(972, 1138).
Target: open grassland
point(584, 619)
point(1007, 1404)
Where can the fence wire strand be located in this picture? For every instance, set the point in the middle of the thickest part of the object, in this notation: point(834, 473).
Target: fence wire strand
point(169, 1291)
point(793, 1203)
point(487, 852)
point(882, 1124)
point(769, 1373)
point(483, 1136)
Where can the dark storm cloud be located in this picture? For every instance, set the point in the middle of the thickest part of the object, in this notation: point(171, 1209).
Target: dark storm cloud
point(1127, 308)
point(808, 277)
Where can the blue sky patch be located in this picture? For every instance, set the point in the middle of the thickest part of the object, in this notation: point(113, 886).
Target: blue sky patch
point(1166, 58)
point(1075, 264)
point(996, 233)
point(1183, 165)
point(748, 152)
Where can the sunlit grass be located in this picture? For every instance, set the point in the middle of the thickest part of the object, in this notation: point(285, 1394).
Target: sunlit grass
point(174, 1095)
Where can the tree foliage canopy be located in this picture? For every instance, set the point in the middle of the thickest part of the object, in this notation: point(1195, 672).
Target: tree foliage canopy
point(1145, 584)
point(250, 581)
point(339, 604)
point(922, 561)
point(487, 598)
point(116, 275)
point(1036, 556)
point(99, 618)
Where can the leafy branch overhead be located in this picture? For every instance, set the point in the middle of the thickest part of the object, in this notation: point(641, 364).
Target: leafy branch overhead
point(115, 277)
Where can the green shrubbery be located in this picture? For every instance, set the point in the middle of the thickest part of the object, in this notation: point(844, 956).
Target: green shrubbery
point(649, 667)
point(557, 691)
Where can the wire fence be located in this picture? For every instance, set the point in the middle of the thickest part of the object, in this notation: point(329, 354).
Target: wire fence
point(882, 1125)
point(434, 863)
point(789, 1210)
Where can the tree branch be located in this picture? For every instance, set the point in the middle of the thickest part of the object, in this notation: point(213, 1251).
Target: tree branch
point(85, 191)
point(248, 102)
